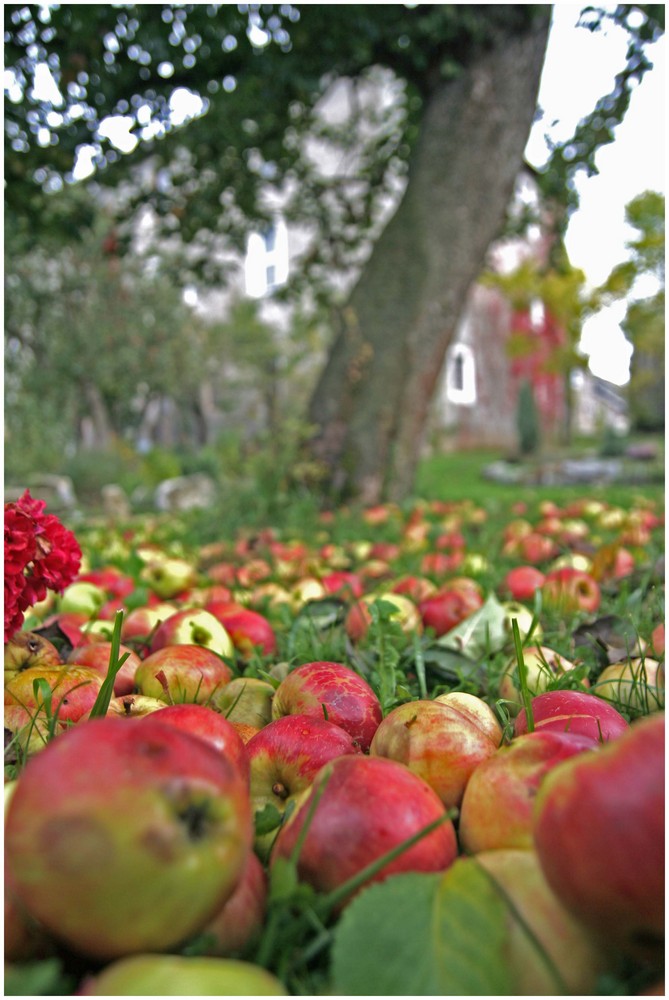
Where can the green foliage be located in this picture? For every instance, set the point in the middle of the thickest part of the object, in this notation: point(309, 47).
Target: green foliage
point(91, 470)
point(527, 420)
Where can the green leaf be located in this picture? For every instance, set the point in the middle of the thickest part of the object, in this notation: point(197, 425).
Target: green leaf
point(37, 979)
point(424, 935)
point(267, 819)
point(382, 941)
point(479, 634)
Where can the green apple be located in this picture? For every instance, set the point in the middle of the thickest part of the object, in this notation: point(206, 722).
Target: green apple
point(180, 976)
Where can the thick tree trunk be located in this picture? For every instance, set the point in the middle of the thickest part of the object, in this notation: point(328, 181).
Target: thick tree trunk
point(371, 404)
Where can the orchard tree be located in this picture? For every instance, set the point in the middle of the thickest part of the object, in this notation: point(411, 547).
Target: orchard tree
point(461, 82)
point(640, 280)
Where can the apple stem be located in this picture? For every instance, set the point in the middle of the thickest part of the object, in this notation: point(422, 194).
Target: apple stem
point(522, 676)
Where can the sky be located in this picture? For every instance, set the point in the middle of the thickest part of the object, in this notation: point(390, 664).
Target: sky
point(579, 68)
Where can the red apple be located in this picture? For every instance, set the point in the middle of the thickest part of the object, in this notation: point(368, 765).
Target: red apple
point(415, 587)
point(573, 712)
point(568, 589)
point(131, 706)
point(369, 805)
point(343, 583)
point(599, 834)
point(522, 582)
point(97, 655)
point(285, 756)
point(448, 607)
point(73, 691)
point(139, 624)
point(110, 579)
point(126, 836)
point(497, 807)
point(241, 918)
point(183, 672)
point(334, 691)
point(438, 742)
point(210, 726)
point(193, 626)
point(249, 630)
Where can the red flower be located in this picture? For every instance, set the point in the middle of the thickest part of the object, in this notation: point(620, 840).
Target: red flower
point(40, 555)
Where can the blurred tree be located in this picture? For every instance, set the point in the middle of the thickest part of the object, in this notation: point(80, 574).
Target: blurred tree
point(641, 281)
point(463, 81)
point(90, 342)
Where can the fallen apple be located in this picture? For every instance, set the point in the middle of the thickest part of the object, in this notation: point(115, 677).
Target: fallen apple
point(183, 672)
point(366, 806)
point(209, 725)
point(573, 712)
point(247, 700)
point(334, 691)
point(179, 975)
point(542, 664)
point(635, 685)
point(193, 626)
point(126, 836)
point(600, 835)
point(438, 742)
point(497, 807)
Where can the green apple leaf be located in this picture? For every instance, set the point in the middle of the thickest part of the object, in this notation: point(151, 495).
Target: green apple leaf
point(450, 665)
point(424, 935)
point(481, 633)
point(267, 819)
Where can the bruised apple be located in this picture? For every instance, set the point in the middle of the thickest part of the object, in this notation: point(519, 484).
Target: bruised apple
point(366, 806)
point(125, 836)
point(599, 833)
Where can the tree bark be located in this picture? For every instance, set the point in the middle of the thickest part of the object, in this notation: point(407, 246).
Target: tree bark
point(371, 403)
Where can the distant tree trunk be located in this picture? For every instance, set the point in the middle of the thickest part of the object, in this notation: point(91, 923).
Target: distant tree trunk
point(100, 433)
point(371, 403)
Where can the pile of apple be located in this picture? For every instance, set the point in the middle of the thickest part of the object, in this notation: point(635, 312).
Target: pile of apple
point(176, 779)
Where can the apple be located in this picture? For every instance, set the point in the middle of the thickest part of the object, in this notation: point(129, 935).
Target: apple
point(130, 706)
point(439, 742)
point(98, 655)
point(207, 724)
point(573, 712)
point(657, 640)
point(240, 920)
point(524, 619)
point(249, 630)
point(476, 710)
point(180, 975)
point(27, 731)
point(440, 564)
point(29, 649)
point(497, 807)
point(599, 834)
point(168, 576)
point(448, 607)
point(568, 589)
point(542, 664)
point(110, 579)
point(544, 950)
point(183, 672)
point(247, 700)
point(635, 685)
point(368, 806)
point(522, 582)
point(73, 691)
point(70, 623)
point(344, 583)
point(415, 587)
point(285, 756)
point(82, 598)
point(126, 836)
point(359, 616)
point(193, 626)
point(333, 691)
point(139, 624)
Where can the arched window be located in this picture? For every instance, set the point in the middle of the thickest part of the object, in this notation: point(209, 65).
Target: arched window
point(461, 375)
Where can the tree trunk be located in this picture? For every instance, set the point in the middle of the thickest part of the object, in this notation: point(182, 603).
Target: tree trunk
point(371, 403)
